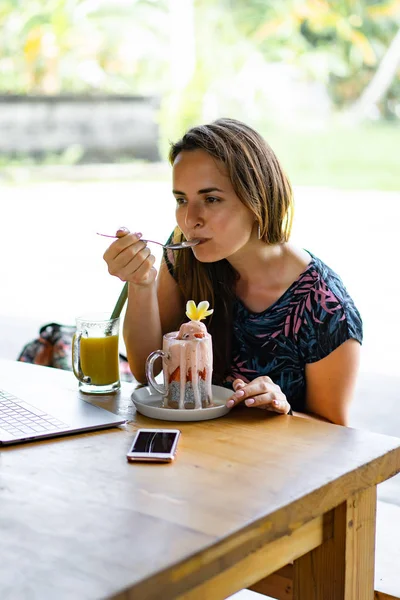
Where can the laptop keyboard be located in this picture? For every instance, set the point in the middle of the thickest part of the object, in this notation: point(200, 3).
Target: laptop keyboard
point(19, 418)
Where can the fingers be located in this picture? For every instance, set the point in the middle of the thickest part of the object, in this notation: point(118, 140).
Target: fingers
point(142, 271)
point(262, 392)
point(129, 258)
point(123, 231)
point(238, 384)
point(273, 402)
point(247, 391)
point(125, 240)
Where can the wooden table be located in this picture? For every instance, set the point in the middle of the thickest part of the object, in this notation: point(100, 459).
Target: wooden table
point(247, 494)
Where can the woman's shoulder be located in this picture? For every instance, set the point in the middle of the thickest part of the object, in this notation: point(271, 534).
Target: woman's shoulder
point(326, 277)
point(330, 316)
point(308, 266)
point(301, 272)
point(297, 259)
point(321, 289)
point(328, 294)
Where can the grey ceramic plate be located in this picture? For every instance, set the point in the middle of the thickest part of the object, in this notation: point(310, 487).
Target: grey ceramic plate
point(149, 403)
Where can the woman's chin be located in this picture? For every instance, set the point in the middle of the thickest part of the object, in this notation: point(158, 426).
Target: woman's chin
point(204, 254)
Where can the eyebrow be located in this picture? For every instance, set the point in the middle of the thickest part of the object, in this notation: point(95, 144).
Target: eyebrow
point(203, 191)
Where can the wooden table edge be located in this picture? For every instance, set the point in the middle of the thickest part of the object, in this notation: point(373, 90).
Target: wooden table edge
point(305, 529)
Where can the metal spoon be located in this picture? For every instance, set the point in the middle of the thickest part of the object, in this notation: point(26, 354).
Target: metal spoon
point(124, 293)
point(178, 246)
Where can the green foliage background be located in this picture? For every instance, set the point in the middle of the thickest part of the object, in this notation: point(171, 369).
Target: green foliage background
point(124, 47)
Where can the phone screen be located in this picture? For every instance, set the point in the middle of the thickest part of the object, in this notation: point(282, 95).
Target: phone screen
point(154, 442)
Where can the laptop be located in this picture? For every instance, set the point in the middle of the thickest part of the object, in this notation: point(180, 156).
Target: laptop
point(31, 412)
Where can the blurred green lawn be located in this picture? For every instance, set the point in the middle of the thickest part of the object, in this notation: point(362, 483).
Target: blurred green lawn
point(355, 158)
point(365, 157)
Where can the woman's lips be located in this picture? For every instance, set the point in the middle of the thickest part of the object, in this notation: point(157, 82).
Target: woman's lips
point(202, 241)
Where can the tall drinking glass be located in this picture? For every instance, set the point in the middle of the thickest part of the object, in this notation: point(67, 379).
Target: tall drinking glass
point(95, 357)
point(187, 369)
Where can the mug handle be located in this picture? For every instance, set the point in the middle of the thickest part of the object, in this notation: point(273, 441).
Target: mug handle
point(161, 389)
point(76, 359)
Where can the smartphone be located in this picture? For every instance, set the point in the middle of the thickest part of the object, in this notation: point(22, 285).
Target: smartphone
point(154, 445)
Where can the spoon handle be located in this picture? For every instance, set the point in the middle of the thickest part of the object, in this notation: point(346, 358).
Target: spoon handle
point(151, 242)
point(141, 239)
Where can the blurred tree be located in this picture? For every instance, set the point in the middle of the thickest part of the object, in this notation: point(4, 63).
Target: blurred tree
point(341, 43)
point(205, 58)
point(377, 90)
point(53, 46)
point(206, 68)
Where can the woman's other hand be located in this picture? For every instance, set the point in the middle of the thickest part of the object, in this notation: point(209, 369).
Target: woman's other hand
point(262, 392)
point(130, 259)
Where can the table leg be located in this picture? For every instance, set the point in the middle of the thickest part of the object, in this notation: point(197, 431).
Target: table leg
point(342, 568)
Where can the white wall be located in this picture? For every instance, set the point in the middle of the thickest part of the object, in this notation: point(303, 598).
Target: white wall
point(102, 126)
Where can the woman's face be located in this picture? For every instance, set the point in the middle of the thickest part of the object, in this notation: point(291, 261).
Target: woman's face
point(208, 208)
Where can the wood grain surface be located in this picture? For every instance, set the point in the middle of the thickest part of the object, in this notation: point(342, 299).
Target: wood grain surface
point(78, 521)
point(342, 566)
point(387, 561)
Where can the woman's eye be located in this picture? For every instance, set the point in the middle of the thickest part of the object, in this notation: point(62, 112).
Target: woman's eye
point(212, 199)
point(180, 201)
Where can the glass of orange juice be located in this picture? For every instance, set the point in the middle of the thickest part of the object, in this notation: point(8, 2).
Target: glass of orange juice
point(95, 357)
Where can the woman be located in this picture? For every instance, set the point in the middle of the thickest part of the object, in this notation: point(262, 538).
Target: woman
point(285, 332)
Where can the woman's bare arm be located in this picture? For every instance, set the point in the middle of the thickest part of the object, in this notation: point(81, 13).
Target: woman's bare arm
point(152, 311)
point(330, 383)
point(154, 303)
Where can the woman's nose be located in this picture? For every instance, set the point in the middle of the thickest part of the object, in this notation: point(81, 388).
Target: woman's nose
point(193, 217)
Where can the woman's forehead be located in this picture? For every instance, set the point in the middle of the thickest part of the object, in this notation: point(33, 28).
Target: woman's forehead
point(197, 164)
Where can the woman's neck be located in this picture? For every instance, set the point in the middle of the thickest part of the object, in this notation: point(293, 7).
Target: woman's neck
point(266, 273)
point(254, 262)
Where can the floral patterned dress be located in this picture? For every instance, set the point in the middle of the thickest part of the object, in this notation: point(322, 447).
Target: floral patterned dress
point(313, 317)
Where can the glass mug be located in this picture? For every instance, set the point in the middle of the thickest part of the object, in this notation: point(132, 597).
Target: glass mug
point(95, 357)
point(187, 370)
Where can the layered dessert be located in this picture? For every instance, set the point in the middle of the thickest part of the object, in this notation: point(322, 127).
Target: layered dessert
point(189, 362)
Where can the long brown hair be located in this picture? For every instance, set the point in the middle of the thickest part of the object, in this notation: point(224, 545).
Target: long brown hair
point(261, 184)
